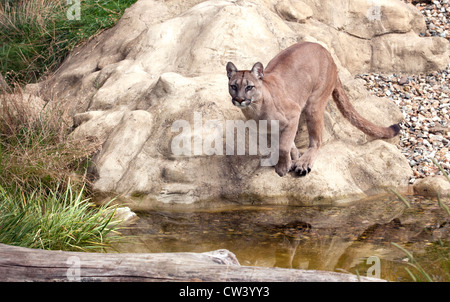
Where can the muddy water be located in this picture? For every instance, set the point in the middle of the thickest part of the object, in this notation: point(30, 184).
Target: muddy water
point(355, 238)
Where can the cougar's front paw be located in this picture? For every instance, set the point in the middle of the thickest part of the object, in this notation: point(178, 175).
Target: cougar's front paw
point(302, 171)
point(283, 167)
point(302, 166)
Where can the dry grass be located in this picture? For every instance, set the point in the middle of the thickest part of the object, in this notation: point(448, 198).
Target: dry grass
point(36, 148)
point(36, 12)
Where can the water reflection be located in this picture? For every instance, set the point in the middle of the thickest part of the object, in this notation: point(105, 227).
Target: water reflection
point(322, 238)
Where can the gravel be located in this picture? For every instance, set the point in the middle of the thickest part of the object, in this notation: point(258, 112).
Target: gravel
point(424, 100)
point(437, 18)
point(425, 103)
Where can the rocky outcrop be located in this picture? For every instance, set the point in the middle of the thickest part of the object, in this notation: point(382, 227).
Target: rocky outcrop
point(164, 63)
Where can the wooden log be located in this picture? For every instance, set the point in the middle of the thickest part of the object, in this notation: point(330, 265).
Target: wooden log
point(19, 264)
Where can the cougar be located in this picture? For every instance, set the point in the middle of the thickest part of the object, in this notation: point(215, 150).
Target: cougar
point(299, 79)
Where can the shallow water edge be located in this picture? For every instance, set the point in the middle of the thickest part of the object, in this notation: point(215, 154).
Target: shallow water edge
point(353, 238)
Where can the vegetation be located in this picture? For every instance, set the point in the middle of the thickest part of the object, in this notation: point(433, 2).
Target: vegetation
point(441, 248)
point(418, 268)
point(36, 150)
point(53, 220)
point(44, 184)
point(36, 35)
point(43, 175)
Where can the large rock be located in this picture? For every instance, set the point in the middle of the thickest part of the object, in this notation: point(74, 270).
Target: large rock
point(433, 186)
point(291, 10)
point(408, 52)
point(163, 65)
point(366, 19)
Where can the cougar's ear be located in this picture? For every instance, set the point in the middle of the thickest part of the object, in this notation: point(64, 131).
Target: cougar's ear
point(231, 70)
point(258, 70)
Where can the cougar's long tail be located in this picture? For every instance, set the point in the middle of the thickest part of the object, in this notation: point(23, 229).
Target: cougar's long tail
point(347, 109)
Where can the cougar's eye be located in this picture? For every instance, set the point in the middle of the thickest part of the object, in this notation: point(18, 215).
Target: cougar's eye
point(248, 88)
point(234, 87)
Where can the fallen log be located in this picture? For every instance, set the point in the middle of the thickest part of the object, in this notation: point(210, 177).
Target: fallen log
point(19, 264)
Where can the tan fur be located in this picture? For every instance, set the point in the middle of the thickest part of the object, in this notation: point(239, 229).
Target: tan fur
point(299, 79)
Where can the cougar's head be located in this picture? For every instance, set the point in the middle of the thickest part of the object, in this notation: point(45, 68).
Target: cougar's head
point(245, 86)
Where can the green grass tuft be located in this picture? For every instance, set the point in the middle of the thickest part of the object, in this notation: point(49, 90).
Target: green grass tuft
point(55, 221)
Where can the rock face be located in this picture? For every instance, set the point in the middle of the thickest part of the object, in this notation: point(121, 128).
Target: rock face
point(162, 67)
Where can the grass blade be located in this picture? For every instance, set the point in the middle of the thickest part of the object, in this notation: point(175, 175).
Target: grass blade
point(443, 205)
point(414, 264)
point(64, 221)
point(408, 205)
point(440, 168)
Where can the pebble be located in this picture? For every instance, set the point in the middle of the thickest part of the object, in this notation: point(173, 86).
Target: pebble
point(403, 81)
